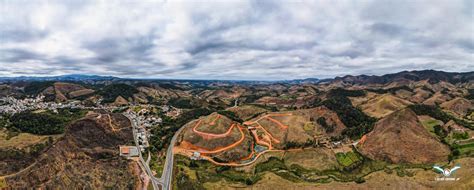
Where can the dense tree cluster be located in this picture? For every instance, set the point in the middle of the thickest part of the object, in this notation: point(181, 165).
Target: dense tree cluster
point(346, 93)
point(181, 103)
point(293, 144)
point(437, 113)
point(328, 128)
point(230, 115)
point(111, 92)
point(390, 90)
point(356, 121)
point(470, 96)
point(34, 88)
point(41, 124)
point(440, 131)
point(45, 123)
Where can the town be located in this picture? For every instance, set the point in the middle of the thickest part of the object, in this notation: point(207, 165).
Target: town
point(139, 115)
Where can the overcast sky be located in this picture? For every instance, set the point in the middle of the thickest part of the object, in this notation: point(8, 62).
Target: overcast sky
point(234, 40)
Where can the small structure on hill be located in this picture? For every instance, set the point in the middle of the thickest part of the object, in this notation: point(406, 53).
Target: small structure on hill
point(196, 156)
point(129, 151)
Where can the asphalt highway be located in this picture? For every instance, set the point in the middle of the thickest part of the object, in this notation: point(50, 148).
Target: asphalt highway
point(165, 180)
point(148, 171)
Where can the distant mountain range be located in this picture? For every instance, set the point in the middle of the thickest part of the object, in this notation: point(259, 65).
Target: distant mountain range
point(73, 77)
point(432, 75)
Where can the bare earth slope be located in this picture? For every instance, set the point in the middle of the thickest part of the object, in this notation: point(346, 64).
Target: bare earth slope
point(400, 138)
point(216, 136)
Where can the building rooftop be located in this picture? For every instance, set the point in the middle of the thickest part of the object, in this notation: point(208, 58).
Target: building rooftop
point(128, 151)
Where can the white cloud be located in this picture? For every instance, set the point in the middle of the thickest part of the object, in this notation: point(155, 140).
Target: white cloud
point(234, 39)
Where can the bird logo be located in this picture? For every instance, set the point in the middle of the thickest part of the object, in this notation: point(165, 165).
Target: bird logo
point(446, 172)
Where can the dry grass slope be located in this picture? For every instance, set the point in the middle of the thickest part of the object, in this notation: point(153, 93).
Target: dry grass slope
point(384, 105)
point(401, 138)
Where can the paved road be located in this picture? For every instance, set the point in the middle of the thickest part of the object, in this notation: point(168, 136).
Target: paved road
point(148, 171)
point(167, 175)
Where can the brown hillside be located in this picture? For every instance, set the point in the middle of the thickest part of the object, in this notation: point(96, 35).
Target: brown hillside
point(384, 105)
point(247, 112)
point(400, 138)
point(120, 101)
point(61, 91)
point(436, 99)
point(297, 126)
point(67, 88)
point(458, 105)
point(86, 157)
point(420, 95)
point(157, 92)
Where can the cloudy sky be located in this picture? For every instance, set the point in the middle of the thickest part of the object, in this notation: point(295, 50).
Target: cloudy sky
point(234, 39)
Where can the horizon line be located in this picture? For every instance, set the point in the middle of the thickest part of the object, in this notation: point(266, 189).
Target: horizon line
point(200, 79)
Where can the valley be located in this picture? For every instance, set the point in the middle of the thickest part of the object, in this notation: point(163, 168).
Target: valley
point(348, 132)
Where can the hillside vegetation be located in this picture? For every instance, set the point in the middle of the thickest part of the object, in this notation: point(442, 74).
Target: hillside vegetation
point(88, 152)
point(44, 123)
point(356, 121)
point(111, 92)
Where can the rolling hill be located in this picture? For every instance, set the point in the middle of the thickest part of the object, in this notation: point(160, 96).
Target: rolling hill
point(86, 157)
point(401, 138)
point(383, 105)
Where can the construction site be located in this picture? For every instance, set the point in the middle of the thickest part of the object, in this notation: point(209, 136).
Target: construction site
point(224, 142)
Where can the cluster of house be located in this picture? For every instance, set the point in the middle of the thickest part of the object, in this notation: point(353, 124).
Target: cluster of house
point(141, 133)
point(146, 120)
point(325, 141)
point(171, 111)
point(143, 122)
point(12, 105)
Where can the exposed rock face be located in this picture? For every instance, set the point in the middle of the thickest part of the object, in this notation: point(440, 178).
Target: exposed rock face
point(86, 158)
point(400, 138)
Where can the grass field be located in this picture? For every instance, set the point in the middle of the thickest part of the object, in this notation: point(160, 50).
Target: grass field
point(429, 123)
point(278, 172)
point(347, 159)
point(3, 183)
point(309, 126)
point(320, 159)
point(23, 140)
point(467, 149)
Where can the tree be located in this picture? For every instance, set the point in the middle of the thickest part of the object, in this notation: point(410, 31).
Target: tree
point(324, 124)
